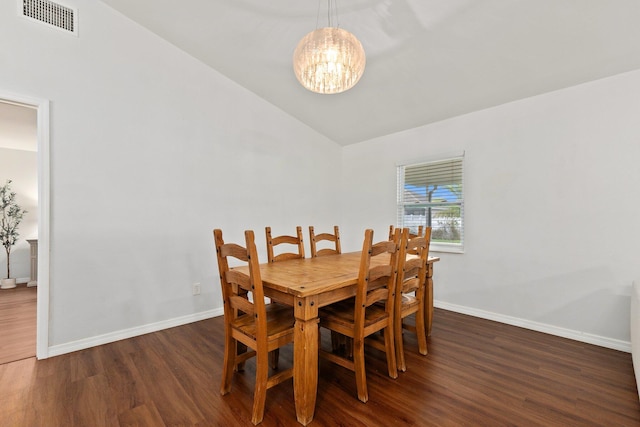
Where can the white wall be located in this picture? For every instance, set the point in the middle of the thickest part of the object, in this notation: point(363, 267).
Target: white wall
point(21, 168)
point(552, 202)
point(150, 150)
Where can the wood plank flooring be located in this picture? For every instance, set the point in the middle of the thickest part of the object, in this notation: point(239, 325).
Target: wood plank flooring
point(17, 323)
point(477, 373)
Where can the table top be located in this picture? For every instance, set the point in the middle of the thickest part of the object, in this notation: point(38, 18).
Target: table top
point(311, 276)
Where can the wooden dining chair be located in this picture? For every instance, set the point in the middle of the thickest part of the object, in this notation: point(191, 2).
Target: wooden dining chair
point(360, 317)
point(316, 238)
point(411, 294)
point(259, 326)
point(296, 240)
point(287, 241)
point(337, 341)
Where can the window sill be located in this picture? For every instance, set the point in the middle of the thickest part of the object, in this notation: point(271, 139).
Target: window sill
point(443, 247)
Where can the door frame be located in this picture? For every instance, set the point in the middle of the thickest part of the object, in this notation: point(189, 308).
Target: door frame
point(44, 203)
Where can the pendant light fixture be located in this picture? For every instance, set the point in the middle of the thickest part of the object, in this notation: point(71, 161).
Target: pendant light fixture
point(329, 60)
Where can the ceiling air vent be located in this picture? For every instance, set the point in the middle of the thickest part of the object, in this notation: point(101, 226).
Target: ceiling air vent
point(52, 14)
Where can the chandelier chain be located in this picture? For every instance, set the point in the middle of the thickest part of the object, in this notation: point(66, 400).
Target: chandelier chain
point(332, 5)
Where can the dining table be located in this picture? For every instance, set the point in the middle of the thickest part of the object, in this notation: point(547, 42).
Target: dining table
point(307, 284)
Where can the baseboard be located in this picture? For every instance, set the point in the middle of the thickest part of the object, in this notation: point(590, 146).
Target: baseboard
point(57, 350)
point(540, 327)
point(614, 344)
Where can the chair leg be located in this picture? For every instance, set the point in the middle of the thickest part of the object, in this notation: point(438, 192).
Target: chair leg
point(229, 364)
point(240, 348)
point(260, 392)
point(341, 344)
point(336, 342)
point(274, 355)
point(359, 367)
point(390, 351)
point(421, 330)
point(402, 364)
point(428, 307)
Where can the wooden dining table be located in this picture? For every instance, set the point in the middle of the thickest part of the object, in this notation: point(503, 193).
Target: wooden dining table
point(308, 284)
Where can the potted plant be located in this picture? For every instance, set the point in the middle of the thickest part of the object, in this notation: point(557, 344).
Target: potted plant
point(10, 217)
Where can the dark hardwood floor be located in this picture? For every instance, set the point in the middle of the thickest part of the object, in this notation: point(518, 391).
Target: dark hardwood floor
point(477, 373)
point(17, 323)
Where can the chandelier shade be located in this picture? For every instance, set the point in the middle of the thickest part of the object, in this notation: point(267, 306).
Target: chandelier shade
point(329, 60)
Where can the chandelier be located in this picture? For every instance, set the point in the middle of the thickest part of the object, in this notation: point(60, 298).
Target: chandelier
point(329, 60)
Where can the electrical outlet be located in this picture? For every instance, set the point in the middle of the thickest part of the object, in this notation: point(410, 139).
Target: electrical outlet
point(196, 288)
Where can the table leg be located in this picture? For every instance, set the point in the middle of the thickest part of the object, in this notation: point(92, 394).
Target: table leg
point(305, 362)
point(429, 295)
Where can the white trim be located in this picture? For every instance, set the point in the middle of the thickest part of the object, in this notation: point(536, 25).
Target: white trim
point(110, 337)
point(42, 105)
point(401, 167)
point(44, 237)
point(412, 160)
point(446, 248)
point(540, 327)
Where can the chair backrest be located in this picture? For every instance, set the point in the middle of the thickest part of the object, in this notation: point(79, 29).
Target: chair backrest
point(236, 285)
point(412, 261)
point(376, 284)
point(426, 233)
point(315, 238)
point(411, 235)
point(291, 240)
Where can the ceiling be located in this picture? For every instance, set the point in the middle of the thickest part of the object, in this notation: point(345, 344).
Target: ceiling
point(427, 60)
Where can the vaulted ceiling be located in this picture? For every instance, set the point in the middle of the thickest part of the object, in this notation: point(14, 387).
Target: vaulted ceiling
point(427, 60)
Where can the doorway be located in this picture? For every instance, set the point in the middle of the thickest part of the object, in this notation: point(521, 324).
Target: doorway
point(22, 162)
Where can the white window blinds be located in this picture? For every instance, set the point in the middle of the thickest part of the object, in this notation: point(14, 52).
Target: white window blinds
point(432, 194)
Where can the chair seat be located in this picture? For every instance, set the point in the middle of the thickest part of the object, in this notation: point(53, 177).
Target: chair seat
point(280, 322)
point(408, 303)
point(342, 313)
point(409, 300)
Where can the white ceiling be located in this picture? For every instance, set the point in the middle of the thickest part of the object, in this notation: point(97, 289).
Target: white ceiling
point(427, 60)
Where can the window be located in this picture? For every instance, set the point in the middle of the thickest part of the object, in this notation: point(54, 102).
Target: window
point(431, 194)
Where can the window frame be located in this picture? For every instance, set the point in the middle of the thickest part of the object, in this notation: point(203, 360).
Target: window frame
point(402, 204)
